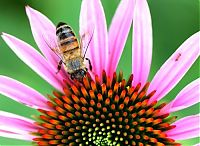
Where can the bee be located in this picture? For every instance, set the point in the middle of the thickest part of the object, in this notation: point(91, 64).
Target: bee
point(70, 52)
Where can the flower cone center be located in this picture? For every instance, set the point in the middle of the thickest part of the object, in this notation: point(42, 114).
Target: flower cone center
point(104, 112)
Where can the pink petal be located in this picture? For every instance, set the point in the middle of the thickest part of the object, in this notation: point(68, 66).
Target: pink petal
point(8, 134)
point(16, 125)
point(198, 144)
point(43, 29)
point(142, 42)
point(92, 17)
point(34, 60)
point(118, 33)
point(22, 93)
point(186, 98)
point(44, 33)
point(186, 128)
point(175, 67)
point(185, 135)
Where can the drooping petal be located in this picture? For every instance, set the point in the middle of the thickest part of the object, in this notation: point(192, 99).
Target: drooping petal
point(186, 98)
point(16, 125)
point(44, 33)
point(118, 33)
point(22, 93)
point(142, 42)
point(175, 67)
point(92, 17)
point(186, 128)
point(34, 60)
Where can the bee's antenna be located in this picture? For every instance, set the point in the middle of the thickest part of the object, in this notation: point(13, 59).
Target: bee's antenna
point(88, 44)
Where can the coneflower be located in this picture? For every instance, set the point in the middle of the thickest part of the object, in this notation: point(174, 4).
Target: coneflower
point(104, 108)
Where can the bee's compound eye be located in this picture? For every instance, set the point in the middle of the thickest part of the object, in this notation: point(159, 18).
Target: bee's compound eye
point(83, 72)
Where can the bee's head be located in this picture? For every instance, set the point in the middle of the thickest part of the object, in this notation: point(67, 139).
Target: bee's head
point(79, 74)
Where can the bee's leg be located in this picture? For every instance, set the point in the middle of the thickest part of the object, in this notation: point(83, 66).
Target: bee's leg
point(59, 66)
point(72, 76)
point(90, 65)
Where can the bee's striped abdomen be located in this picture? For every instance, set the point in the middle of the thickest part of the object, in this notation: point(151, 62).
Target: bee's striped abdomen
point(66, 37)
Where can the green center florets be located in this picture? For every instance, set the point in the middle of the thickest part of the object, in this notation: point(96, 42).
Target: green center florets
point(100, 139)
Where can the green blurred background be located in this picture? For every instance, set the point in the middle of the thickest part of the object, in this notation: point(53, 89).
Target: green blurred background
point(173, 22)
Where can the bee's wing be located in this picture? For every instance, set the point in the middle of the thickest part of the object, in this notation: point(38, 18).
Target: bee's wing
point(52, 44)
point(49, 40)
point(86, 35)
